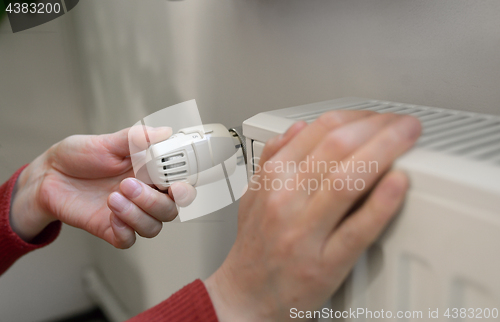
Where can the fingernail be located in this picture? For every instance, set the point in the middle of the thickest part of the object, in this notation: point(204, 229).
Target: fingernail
point(397, 186)
point(159, 128)
point(411, 126)
point(179, 191)
point(162, 129)
point(118, 202)
point(131, 188)
point(117, 222)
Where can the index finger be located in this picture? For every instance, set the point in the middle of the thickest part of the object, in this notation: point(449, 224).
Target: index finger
point(140, 136)
point(304, 142)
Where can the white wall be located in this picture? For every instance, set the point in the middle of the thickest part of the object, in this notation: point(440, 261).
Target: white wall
point(241, 57)
point(40, 105)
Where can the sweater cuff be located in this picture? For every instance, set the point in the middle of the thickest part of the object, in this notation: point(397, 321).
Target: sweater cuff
point(190, 304)
point(12, 246)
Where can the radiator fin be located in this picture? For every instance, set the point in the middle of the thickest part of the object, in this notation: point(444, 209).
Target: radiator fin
point(455, 132)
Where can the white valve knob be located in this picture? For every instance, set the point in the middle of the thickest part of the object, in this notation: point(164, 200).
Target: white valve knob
point(191, 155)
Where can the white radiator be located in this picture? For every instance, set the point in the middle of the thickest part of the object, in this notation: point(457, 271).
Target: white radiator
point(443, 250)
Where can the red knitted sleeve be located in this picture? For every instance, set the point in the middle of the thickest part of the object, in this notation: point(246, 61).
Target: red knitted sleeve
point(190, 304)
point(11, 245)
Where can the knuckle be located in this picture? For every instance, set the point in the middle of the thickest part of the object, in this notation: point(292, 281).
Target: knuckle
point(275, 203)
point(270, 145)
point(132, 220)
point(275, 214)
point(129, 211)
point(150, 200)
point(330, 119)
point(132, 216)
point(336, 141)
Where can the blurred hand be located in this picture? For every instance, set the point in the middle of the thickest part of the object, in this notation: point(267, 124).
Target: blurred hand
point(86, 181)
point(295, 246)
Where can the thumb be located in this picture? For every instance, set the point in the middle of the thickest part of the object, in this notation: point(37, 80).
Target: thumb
point(116, 143)
point(134, 139)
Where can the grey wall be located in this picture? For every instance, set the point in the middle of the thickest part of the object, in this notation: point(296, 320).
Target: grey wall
point(246, 56)
point(40, 105)
point(258, 55)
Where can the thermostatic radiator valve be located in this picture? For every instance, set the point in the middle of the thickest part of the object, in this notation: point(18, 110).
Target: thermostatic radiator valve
point(192, 154)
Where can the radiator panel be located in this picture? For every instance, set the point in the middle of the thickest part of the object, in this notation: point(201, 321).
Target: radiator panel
point(440, 251)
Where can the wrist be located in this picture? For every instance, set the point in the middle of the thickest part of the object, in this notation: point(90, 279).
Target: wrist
point(220, 295)
point(231, 303)
point(27, 216)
